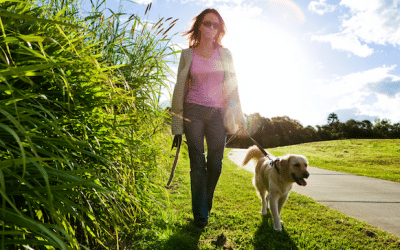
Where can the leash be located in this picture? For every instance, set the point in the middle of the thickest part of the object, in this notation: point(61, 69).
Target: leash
point(254, 141)
point(259, 146)
point(272, 162)
point(177, 142)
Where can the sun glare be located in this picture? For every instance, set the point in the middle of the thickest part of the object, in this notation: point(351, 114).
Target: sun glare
point(270, 67)
point(287, 9)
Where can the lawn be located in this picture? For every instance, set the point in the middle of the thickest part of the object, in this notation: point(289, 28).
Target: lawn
point(307, 224)
point(376, 158)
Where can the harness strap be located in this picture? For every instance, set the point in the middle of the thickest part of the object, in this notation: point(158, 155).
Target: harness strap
point(273, 163)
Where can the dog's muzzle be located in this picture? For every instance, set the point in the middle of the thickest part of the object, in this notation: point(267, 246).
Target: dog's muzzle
point(301, 181)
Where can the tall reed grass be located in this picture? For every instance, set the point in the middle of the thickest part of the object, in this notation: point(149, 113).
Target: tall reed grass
point(78, 121)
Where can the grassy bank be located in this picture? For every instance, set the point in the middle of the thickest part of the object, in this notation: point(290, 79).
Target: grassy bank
point(307, 224)
point(378, 158)
point(79, 117)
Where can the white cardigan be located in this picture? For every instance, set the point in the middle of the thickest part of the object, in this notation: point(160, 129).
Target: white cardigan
point(233, 116)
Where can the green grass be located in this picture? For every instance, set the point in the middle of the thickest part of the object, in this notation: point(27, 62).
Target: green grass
point(307, 224)
point(79, 118)
point(378, 158)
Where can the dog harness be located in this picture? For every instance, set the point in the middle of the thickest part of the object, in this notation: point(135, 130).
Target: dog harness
point(273, 163)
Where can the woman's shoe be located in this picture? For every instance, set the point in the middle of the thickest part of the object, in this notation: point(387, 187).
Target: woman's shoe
point(200, 223)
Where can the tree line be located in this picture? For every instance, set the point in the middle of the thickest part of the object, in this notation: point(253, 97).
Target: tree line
point(283, 131)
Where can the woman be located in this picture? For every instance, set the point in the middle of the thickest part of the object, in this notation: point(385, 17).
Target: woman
point(205, 103)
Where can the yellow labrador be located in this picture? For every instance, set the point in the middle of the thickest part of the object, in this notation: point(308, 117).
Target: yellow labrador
point(276, 177)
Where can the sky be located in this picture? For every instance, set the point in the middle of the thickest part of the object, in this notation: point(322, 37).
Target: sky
point(302, 59)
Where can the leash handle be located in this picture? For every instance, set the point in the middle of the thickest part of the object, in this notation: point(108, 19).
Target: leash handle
point(176, 143)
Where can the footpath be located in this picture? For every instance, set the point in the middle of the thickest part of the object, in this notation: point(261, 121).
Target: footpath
point(374, 201)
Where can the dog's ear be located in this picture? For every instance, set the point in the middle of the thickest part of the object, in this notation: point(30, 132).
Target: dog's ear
point(284, 162)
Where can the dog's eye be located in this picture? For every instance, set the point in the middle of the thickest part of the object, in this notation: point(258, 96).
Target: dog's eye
point(297, 165)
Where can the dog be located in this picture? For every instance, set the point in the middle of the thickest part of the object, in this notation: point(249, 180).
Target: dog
point(276, 177)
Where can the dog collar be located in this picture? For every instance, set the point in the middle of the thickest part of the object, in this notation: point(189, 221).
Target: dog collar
point(273, 163)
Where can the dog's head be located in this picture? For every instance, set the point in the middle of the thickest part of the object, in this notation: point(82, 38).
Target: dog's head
point(295, 167)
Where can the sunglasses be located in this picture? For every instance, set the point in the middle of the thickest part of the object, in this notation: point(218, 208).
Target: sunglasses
point(208, 24)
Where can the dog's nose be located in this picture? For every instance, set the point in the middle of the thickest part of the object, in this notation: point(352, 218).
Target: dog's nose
point(305, 175)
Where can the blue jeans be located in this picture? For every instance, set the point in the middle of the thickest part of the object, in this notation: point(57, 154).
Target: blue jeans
point(205, 122)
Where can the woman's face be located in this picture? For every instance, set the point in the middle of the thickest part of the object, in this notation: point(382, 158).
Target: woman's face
point(209, 27)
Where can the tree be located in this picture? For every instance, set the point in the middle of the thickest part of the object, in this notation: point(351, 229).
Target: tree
point(382, 127)
point(310, 134)
point(332, 119)
point(351, 129)
point(395, 131)
point(324, 132)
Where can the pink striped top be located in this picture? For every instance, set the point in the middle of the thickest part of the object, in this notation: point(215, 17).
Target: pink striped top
point(207, 76)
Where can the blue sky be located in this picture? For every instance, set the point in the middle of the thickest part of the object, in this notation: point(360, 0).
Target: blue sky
point(303, 59)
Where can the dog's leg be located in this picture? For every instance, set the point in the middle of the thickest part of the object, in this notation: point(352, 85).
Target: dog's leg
point(264, 202)
point(273, 203)
point(262, 192)
point(282, 202)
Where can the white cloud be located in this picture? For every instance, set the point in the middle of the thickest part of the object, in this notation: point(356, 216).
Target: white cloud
point(143, 1)
point(369, 22)
point(383, 108)
point(390, 86)
point(212, 3)
point(345, 41)
point(353, 113)
point(352, 94)
point(360, 5)
point(379, 23)
point(387, 108)
point(320, 7)
point(354, 82)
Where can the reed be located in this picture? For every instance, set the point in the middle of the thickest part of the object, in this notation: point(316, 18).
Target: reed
point(79, 117)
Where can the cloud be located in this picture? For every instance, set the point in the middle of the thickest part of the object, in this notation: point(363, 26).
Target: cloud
point(345, 42)
point(212, 3)
point(143, 1)
point(363, 95)
point(320, 7)
point(353, 113)
point(354, 82)
point(370, 99)
point(377, 22)
point(389, 86)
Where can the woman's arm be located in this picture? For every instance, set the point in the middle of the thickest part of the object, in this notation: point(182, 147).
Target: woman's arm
point(177, 97)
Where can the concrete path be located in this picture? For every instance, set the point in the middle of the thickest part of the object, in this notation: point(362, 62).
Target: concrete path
point(366, 199)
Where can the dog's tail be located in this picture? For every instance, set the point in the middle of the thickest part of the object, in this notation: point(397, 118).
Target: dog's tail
point(253, 152)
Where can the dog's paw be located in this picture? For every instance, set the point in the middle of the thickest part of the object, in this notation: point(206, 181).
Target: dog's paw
point(278, 228)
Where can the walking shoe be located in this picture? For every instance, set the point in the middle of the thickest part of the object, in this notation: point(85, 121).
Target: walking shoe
point(200, 223)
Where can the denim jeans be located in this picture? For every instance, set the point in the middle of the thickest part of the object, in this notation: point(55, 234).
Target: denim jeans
point(205, 122)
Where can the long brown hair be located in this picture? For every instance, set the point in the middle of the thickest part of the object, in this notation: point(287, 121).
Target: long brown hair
point(194, 33)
